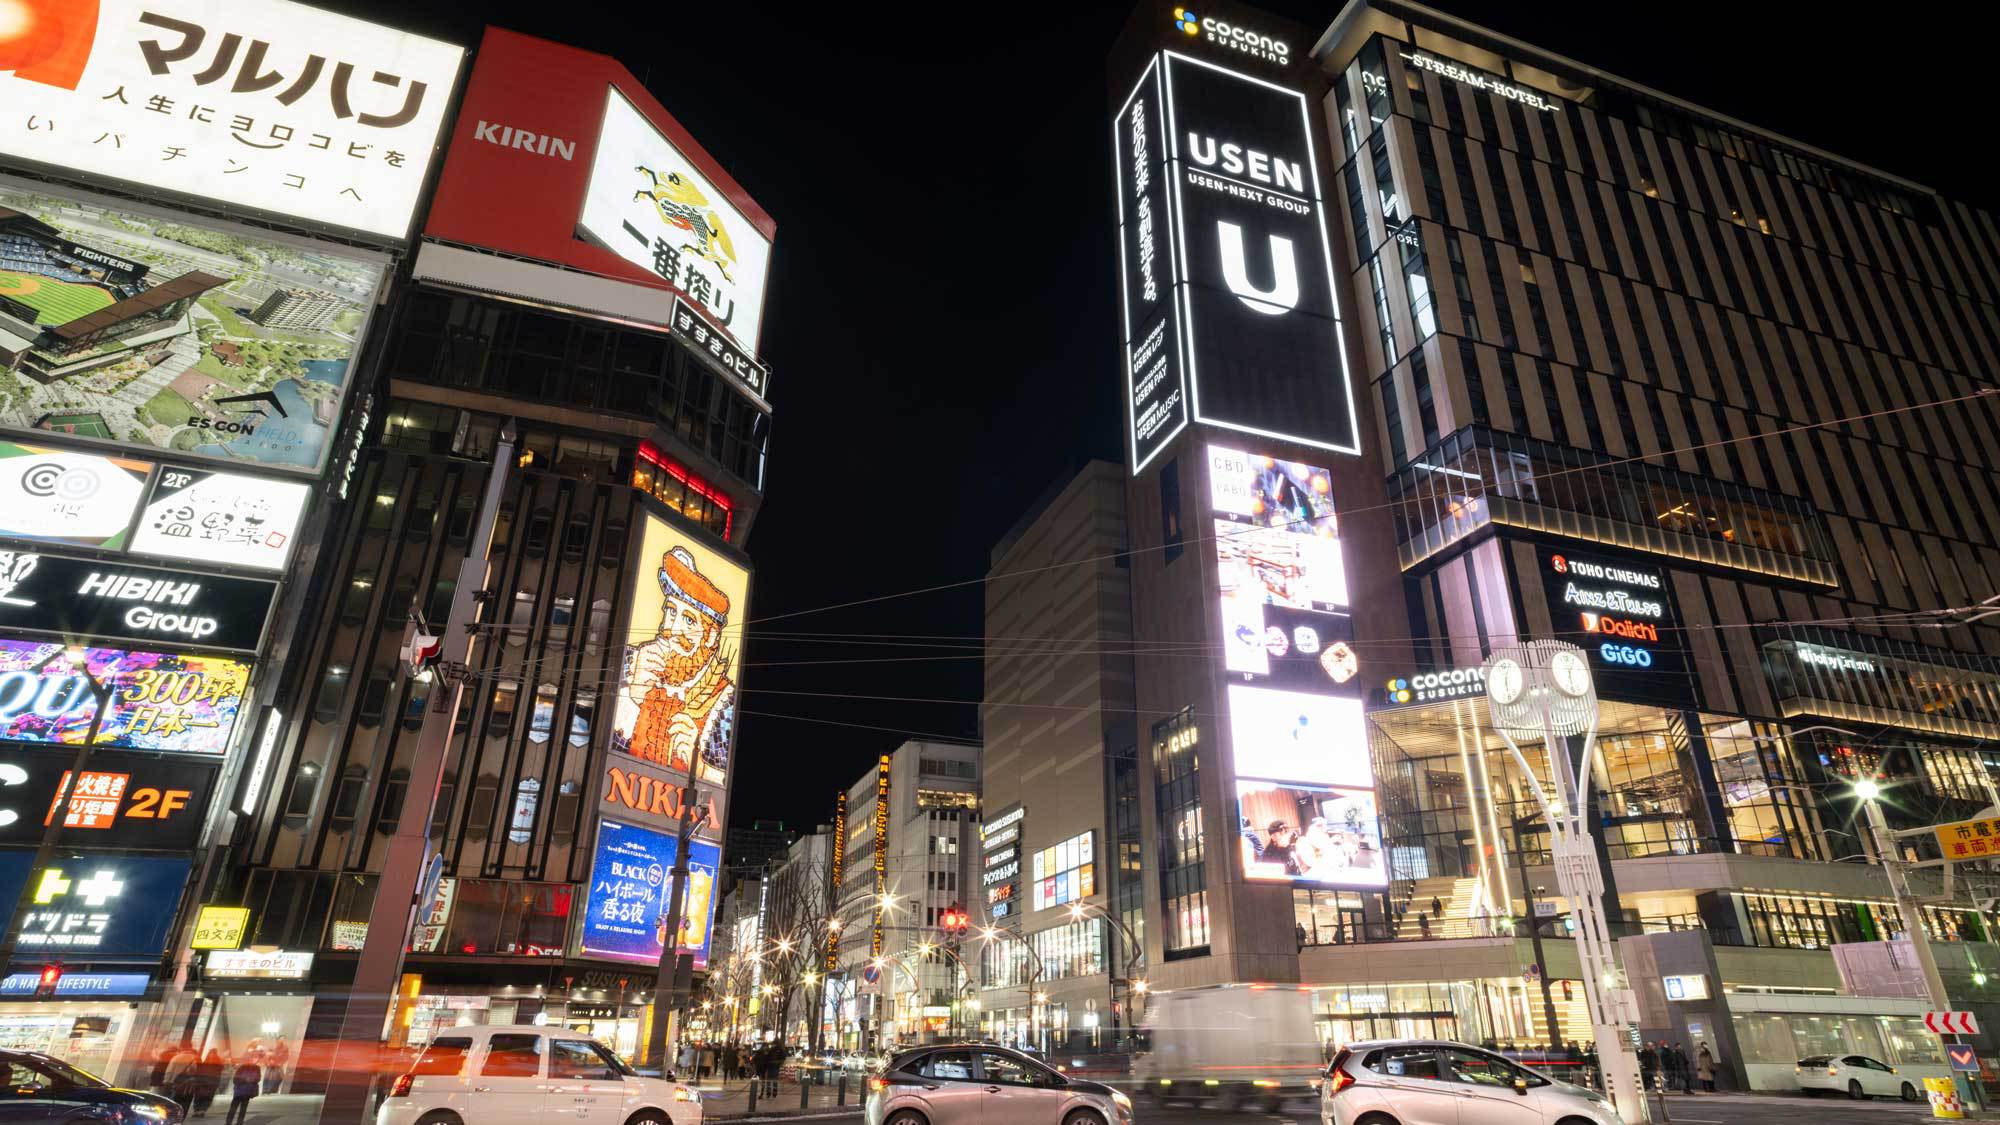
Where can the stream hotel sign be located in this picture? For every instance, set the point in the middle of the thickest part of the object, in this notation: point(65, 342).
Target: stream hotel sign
point(1227, 284)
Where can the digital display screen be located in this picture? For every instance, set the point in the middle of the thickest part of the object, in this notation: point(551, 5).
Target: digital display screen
point(62, 496)
point(630, 888)
point(1292, 676)
point(172, 702)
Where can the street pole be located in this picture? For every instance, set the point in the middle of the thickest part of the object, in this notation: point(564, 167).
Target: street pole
point(1913, 920)
point(666, 978)
point(364, 1022)
point(1535, 933)
point(1543, 690)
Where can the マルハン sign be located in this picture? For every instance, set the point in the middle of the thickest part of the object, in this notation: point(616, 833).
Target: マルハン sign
point(51, 593)
point(263, 104)
point(1247, 272)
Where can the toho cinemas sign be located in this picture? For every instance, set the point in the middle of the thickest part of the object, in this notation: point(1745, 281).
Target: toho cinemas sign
point(1228, 285)
point(635, 791)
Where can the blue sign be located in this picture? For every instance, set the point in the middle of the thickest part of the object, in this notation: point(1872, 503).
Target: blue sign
point(79, 984)
point(1963, 1056)
point(93, 906)
point(625, 914)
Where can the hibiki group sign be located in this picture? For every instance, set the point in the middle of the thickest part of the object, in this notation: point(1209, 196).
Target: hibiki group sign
point(1227, 281)
point(261, 104)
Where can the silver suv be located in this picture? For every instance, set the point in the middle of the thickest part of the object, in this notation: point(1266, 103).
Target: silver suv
point(967, 1083)
point(1428, 1081)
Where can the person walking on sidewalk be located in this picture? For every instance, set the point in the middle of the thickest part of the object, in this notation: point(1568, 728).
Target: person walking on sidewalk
point(244, 1085)
point(1704, 1067)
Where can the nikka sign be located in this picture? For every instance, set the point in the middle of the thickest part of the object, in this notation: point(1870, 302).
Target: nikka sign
point(632, 790)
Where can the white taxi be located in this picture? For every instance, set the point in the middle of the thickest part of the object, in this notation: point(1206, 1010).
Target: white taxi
point(526, 1075)
point(1857, 1076)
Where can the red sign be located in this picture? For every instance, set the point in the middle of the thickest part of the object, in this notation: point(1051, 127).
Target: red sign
point(1951, 1023)
point(519, 163)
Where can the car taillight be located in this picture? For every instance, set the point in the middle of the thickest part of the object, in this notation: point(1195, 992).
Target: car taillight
point(1832, 1072)
point(877, 1083)
point(1337, 1081)
point(401, 1089)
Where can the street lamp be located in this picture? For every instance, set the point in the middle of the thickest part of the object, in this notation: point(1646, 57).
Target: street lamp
point(1542, 692)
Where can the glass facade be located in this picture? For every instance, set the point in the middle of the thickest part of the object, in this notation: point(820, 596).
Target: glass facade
point(1177, 800)
point(1476, 477)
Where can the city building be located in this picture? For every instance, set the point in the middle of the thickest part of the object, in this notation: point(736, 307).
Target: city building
point(595, 724)
point(911, 832)
point(1611, 369)
point(161, 518)
point(298, 309)
point(751, 846)
point(1059, 856)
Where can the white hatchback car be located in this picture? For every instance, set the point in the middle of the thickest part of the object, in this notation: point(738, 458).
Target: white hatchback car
point(526, 1075)
point(1857, 1076)
point(1437, 1082)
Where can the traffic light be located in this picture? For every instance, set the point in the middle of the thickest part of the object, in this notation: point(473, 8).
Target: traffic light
point(955, 920)
point(45, 985)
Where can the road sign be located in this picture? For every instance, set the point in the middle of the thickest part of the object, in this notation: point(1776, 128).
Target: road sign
point(1951, 1023)
point(1969, 839)
point(1963, 1056)
point(1532, 973)
point(871, 974)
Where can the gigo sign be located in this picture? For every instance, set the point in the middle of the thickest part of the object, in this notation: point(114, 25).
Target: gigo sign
point(1618, 613)
point(261, 104)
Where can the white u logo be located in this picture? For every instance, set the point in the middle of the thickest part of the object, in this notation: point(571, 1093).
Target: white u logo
point(1282, 296)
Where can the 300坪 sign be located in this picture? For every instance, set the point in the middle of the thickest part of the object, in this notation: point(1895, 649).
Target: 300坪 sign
point(172, 702)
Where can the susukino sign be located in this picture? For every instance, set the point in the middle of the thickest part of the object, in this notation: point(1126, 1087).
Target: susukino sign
point(1228, 299)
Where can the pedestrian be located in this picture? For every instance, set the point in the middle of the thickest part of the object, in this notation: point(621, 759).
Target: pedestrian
point(1649, 1063)
point(1424, 925)
point(1704, 1067)
point(687, 1062)
point(244, 1086)
point(207, 1080)
point(1678, 1054)
point(157, 1080)
point(179, 1077)
point(1437, 908)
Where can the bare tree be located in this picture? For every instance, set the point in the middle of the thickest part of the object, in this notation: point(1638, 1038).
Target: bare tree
point(798, 911)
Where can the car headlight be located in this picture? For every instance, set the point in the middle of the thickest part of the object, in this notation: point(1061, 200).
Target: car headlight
point(149, 1112)
point(683, 1094)
point(1119, 1099)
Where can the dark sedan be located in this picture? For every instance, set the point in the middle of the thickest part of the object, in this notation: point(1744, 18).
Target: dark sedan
point(38, 1087)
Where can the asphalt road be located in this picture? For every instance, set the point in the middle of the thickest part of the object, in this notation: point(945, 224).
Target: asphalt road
point(1715, 1109)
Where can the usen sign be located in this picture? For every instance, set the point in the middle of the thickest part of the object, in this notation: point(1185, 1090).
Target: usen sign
point(261, 104)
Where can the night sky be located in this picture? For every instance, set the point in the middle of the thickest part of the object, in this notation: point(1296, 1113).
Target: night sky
point(941, 325)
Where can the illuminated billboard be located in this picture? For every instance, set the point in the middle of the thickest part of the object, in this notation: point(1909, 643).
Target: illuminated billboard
point(169, 702)
point(650, 205)
point(220, 343)
point(631, 884)
point(229, 518)
point(1292, 686)
point(1227, 292)
point(677, 689)
point(1620, 612)
point(524, 155)
point(62, 496)
point(1310, 834)
point(268, 105)
point(43, 592)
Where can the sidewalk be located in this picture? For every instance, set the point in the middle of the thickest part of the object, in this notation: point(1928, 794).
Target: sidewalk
point(731, 1100)
point(719, 1101)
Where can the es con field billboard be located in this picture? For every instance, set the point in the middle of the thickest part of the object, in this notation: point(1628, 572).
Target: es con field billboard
point(277, 107)
point(140, 329)
point(561, 155)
